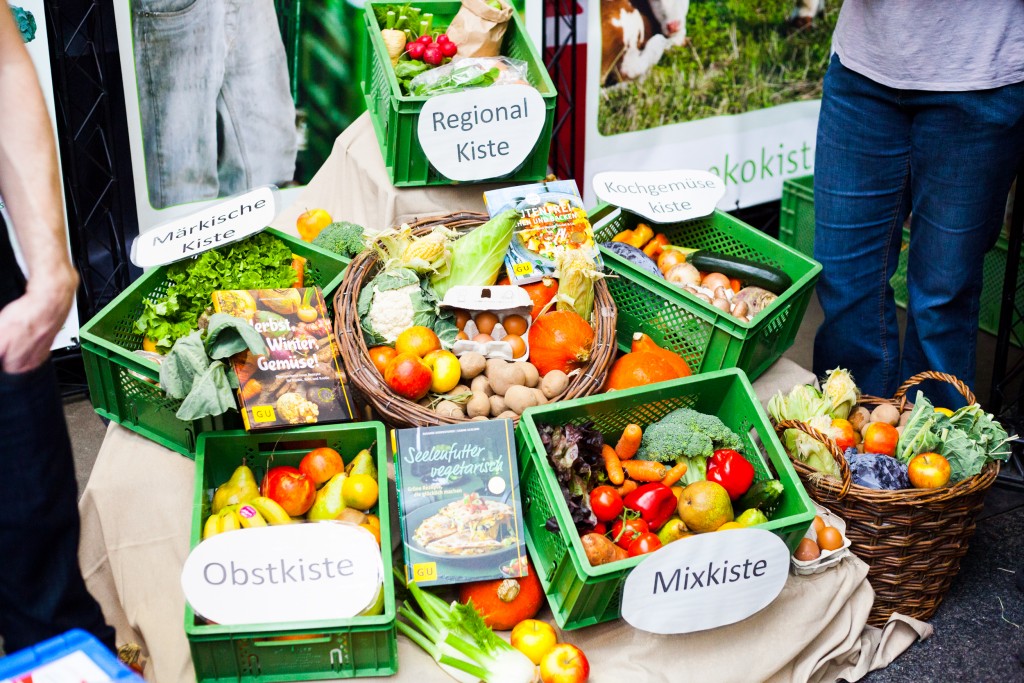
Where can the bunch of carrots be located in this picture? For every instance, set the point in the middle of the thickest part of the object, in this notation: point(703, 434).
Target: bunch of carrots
point(619, 463)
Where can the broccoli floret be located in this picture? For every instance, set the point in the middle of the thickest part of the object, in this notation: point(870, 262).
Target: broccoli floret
point(686, 433)
point(342, 238)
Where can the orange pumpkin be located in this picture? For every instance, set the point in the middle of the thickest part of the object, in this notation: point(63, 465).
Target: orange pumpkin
point(560, 340)
point(540, 293)
point(503, 603)
point(645, 364)
point(641, 342)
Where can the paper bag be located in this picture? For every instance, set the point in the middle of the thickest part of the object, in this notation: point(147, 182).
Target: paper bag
point(478, 28)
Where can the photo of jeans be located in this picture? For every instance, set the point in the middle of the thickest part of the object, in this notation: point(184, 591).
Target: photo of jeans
point(214, 97)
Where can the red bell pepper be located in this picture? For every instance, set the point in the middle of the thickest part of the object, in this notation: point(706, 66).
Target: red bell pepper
point(732, 471)
point(654, 501)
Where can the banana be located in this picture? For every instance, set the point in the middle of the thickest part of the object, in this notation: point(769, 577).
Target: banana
point(271, 511)
point(250, 517)
point(212, 526)
point(229, 520)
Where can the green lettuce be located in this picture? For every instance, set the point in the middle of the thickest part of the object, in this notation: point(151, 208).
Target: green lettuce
point(478, 255)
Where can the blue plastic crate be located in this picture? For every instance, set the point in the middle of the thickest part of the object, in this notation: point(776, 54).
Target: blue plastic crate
point(84, 657)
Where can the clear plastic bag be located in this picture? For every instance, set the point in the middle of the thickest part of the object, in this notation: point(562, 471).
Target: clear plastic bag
point(471, 72)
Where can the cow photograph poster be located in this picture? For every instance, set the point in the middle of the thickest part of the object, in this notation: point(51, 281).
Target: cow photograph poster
point(728, 86)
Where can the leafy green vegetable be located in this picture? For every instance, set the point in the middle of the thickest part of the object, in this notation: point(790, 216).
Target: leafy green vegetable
point(686, 433)
point(408, 69)
point(803, 403)
point(342, 238)
point(458, 79)
point(259, 262)
point(478, 255)
point(394, 301)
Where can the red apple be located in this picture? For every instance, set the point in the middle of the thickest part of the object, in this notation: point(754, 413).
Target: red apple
point(928, 471)
point(320, 464)
point(564, 663)
point(408, 376)
point(292, 489)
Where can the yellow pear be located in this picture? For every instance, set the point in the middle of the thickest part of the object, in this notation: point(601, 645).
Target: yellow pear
point(362, 464)
point(240, 488)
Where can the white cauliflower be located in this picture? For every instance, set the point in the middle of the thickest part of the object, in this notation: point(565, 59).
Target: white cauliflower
point(391, 312)
point(391, 303)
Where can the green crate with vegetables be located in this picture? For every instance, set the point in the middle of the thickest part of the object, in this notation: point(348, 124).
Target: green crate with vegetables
point(400, 52)
point(165, 304)
point(364, 645)
point(716, 291)
point(702, 433)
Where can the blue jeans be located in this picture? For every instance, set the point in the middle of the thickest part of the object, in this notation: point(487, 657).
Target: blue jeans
point(214, 97)
point(882, 153)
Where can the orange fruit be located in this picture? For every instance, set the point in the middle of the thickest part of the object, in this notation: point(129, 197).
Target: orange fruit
point(485, 322)
point(311, 222)
point(514, 324)
point(829, 538)
point(517, 344)
point(880, 437)
point(418, 340)
point(373, 529)
point(380, 355)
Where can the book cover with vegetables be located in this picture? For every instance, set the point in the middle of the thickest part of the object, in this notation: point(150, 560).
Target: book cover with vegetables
point(552, 222)
point(299, 381)
point(458, 501)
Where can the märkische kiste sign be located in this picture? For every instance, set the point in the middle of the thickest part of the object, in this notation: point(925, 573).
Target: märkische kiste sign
point(229, 221)
point(705, 581)
point(481, 134)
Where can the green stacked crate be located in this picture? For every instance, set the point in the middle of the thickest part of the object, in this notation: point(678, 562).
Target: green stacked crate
point(341, 648)
point(708, 338)
point(123, 385)
point(580, 594)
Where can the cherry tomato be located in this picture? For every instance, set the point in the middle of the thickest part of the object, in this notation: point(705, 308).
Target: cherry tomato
point(433, 55)
point(624, 532)
point(606, 503)
point(415, 50)
point(601, 528)
point(644, 543)
point(449, 49)
point(443, 38)
point(425, 39)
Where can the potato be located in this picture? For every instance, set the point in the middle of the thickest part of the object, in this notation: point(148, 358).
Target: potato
point(481, 385)
point(479, 418)
point(498, 405)
point(554, 383)
point(479, 405)
point(449, 409)
point(493, 365)
point(507, 415)
point(531, 374)
point(472, 364)
point(601, 551)
point(518, 398)
point(352, 515)
point(504, 378)
point(886, 413)
point(859, 417)
point(541, 398)
point(905, 418)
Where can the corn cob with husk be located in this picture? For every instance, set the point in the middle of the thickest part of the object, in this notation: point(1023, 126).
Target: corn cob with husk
point(577, 272)
point(429, 253)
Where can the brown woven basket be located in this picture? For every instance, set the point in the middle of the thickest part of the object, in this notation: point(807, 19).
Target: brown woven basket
point(911, 539)
point(401, 412)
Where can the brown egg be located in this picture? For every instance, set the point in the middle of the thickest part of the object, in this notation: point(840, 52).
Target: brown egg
point(514, 324)
point(461, 318)
point(517, 344)
point(807, 550)
point(829, 538)
point(818, 524)
point(483, 338)
point(485, 322)
point(462, 335)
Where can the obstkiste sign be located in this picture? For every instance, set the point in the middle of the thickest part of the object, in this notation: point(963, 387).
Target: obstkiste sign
point(228, 221)
point(472, 136)
point(705, 581)
point(295, 572)
point(661, 196)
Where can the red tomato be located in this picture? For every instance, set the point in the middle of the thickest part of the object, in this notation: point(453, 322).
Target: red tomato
point(606, 503)
point(601, 528)
point(624, 532)
point(644, 543)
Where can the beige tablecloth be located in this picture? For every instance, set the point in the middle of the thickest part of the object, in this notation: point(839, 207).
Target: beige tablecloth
point(136, 516)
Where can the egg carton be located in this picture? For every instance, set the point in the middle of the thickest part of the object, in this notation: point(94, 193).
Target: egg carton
point(503, 301)
point(827, 558)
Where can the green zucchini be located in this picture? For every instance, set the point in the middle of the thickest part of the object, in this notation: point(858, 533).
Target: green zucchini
point(747, 271)
point(763, 495)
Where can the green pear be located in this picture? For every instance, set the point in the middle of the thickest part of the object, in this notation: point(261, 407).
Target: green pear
point(377, 607)
point(329, 502)
point(362, 464)
point(240, 488)
point(673, 530)
point(752, 517)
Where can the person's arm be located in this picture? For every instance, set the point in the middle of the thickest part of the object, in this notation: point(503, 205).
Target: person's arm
point(30, 187)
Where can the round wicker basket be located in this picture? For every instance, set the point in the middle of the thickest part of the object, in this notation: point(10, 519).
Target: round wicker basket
point(911, 539)
point(401, 412)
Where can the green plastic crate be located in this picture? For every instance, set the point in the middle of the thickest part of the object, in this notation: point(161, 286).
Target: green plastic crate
point(581, 595)
point(395, 116)
point(342, 648)
point(123, 385)
point(708, 338)
point(796, 229)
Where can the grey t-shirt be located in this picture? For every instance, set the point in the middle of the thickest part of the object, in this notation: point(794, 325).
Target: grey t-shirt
point(953, 45)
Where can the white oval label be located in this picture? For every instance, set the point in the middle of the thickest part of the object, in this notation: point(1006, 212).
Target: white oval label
point(294, 572)
point(661, 196)
point(705, 581)
point(482, 133)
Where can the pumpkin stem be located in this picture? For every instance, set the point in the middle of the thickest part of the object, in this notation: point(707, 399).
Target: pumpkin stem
point(508, 590)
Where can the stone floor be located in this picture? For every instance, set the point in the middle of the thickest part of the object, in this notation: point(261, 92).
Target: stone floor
point(979, 629)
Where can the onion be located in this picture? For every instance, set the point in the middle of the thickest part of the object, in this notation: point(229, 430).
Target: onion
point(683, 274)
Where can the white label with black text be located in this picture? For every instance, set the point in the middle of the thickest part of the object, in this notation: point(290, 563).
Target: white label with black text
point(705, 581)
point(229, 221)
point(661, 196)
point(482, 133)
point(295, 572)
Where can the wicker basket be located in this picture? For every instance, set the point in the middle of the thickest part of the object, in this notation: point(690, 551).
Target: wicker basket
point(911, 539)
point(401, 412)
